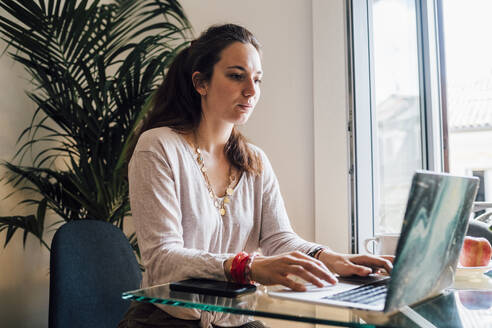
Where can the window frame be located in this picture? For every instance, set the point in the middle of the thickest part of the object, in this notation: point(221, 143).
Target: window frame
point(432, 93)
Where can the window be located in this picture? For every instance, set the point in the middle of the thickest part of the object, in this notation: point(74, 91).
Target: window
point(396, 107)
point(397, 132)
point(466, 28)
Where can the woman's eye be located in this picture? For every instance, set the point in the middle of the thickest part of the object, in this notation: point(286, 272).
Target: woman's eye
point(258, 81)
point(236, 76)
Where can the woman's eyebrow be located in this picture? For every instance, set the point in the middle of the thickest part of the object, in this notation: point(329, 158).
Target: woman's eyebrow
point(242, 68)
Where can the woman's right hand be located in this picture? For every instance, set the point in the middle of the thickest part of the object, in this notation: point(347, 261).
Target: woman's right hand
point(272, 270)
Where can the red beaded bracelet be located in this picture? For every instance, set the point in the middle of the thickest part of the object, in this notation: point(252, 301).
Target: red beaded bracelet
point(238, 266)
point(241, 270)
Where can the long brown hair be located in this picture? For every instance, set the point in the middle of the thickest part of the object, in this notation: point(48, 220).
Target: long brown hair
point(177, 104)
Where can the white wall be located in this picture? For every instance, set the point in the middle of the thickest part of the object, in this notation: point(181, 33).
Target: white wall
point(295, 123)
point(331, 103)
point(24, 273)
point(294, 115)
point(282, 124)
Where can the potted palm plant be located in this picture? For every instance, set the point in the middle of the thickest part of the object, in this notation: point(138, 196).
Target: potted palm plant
point(93, 67)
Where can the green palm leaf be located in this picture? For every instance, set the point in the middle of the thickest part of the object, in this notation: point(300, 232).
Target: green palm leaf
point(93, 69)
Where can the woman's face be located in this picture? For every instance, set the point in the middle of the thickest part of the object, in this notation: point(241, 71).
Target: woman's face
point(234, 88)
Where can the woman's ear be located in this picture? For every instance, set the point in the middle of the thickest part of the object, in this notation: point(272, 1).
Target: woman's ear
point(199, 84)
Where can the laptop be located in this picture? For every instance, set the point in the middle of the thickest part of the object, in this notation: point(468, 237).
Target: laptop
point(433, 230)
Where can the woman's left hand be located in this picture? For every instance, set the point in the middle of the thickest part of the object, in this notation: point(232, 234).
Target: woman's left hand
point(355, 264)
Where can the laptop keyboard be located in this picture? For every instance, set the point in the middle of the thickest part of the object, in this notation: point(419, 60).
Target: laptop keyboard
point(367, 294)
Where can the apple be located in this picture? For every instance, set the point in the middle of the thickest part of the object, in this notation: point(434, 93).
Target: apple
point(475, 252)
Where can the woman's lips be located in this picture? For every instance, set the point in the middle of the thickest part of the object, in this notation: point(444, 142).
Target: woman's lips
point(245, 107)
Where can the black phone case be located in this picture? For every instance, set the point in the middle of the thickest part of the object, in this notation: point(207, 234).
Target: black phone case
point(211, 287)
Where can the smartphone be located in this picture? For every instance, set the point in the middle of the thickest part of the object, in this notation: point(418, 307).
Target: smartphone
point(212, 287)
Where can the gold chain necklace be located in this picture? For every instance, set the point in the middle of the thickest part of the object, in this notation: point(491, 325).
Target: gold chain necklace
point(218, 203)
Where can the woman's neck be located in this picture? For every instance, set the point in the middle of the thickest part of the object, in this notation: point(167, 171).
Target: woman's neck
point(212, 138)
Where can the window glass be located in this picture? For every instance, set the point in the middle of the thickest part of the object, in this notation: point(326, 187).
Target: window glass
point(397, 131)
point(468, 51)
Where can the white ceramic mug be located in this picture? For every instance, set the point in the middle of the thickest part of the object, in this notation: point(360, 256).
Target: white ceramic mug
point(384, 244)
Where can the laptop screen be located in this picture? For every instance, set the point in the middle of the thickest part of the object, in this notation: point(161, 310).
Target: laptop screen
point(433, 230)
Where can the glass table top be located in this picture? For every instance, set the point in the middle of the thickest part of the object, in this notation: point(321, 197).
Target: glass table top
point(466, 304)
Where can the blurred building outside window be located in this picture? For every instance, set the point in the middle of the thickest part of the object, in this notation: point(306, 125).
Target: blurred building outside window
point(468, 50)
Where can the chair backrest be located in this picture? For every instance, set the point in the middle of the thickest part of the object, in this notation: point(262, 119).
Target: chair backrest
point(479, 229)
point(91, 264)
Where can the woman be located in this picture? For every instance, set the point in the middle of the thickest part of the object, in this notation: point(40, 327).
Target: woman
point(203, 199)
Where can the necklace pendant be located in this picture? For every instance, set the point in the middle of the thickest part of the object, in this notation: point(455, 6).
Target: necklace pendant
point(220, 205)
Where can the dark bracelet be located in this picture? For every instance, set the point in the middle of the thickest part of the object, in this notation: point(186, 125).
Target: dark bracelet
point(315, 252)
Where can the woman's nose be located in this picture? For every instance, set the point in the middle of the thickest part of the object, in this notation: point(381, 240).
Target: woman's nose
point(249, 88)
